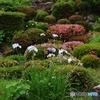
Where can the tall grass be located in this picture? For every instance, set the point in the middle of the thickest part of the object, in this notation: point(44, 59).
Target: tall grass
point(48, 85)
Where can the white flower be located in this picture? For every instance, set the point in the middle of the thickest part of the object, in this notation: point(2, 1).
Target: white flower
point(52, 49)
point(54, 35)
point(16, 45)
point(71, 59)
point(50, 55)
point(80, 64)
point(42, 34)
point(61, 51)
point(31, 47)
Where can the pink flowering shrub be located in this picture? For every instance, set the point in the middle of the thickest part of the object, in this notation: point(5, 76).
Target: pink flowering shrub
point(65, 31)
point(71, 44)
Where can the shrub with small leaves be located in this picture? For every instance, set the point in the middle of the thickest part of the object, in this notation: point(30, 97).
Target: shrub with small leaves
point(41, 15)
point(90, 61)
point(63, 21)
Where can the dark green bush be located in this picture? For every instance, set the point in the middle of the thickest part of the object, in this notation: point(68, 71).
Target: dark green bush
point(84, 49)
point(1, 36)
point(50, 19)
point(42, 25)
point(90, 61)
point(62, 10)
point(63, 21)
point(41, 15)
point(10, 21)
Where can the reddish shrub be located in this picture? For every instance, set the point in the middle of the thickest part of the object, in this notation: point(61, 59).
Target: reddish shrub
point(65, 31)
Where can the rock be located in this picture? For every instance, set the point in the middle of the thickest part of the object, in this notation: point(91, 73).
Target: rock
point(96, 89)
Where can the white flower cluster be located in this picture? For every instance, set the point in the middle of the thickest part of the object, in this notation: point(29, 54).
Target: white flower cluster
point(31, 47)
point(16, 45)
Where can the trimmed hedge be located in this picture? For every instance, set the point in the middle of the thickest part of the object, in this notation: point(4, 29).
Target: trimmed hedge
point(11, 21)
point(84, 49)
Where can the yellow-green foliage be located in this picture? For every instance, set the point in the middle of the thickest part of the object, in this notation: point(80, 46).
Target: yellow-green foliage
point(90, 61)
point(4, 62)
point(84, 49)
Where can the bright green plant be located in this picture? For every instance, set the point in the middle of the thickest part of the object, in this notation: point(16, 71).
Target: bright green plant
point(95, 39)
point(96, 26)
point(43, 26)
point(90, 61)
point(47, 85)
point(19, 91)
point(84, 49)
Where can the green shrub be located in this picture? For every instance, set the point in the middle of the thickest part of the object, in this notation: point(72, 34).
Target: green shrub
point(62, 10)
point(82, 78)
point(63, 21)
point(22, 38)
point(47, 85)
point(9, 6)
point(19, 58)
point(84, 7)
point(43, 26)
point(75, 18)
point(10, 21)
point(35, 35)
point(96, 26)
point(4, 62)
point(83, 23)
point(50, 19)
point(90, 61)
point(28, 11)
point(30, 24)
point(84, 49)
point(41, 15)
